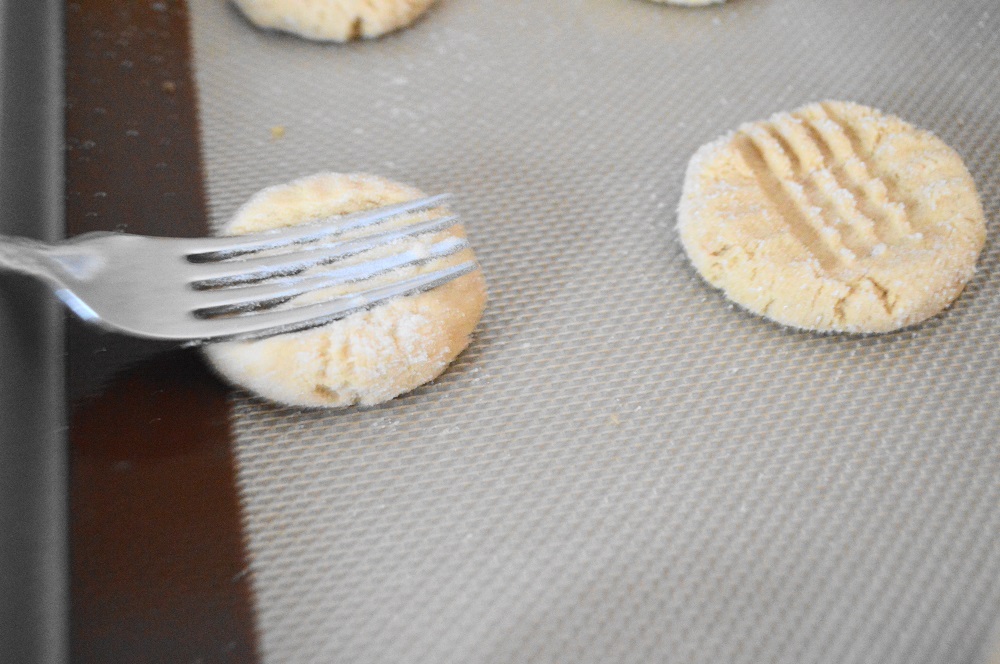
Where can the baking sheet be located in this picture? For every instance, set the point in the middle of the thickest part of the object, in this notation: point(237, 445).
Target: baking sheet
point(622, 467)
point(33, 542)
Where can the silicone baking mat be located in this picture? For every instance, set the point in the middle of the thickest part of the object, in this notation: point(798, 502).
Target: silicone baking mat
point(622, 467)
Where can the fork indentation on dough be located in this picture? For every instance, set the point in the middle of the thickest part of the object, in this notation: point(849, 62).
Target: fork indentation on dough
point(816, 172)
point(775, 172)
point(878, 197)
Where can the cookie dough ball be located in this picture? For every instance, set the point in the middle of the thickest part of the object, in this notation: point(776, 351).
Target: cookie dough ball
point(333, 20)
point(691, 3)
point(370, 356)
point(834, 217)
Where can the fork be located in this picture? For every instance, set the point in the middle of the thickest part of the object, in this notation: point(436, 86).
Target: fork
point(224, 288)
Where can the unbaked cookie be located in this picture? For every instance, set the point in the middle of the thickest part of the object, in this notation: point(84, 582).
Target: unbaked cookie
point(370, 356)
point(333, 20)
point(691, 3)
point(834, 217)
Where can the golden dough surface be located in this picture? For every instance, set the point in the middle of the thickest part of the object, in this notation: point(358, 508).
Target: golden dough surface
point(333, 20)
point(833, 217)
point(691, 3)
point(370, 356)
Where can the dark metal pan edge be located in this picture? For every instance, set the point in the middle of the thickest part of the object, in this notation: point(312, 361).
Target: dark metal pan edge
point(33, 454)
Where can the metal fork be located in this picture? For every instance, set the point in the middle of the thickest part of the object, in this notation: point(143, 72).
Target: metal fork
point(222, 288)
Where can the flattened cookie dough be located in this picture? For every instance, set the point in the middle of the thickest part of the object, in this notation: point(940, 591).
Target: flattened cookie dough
point(834, 217)
point(371, 356)
point(333, 20)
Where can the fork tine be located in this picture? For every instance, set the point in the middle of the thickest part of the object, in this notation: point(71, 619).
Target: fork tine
point(227, 300)
point(272, 322)
point(263, 267)
point(218, 248)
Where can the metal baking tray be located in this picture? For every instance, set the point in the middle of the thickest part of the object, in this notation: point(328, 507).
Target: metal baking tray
point(33, 539)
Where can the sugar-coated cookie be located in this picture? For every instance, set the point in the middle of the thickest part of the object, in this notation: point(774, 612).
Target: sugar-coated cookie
point(691, 3)
point(834, 217)
point(333, 20)
point(370, 356)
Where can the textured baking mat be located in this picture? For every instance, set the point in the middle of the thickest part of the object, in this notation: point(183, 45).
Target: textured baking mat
point(622, 467)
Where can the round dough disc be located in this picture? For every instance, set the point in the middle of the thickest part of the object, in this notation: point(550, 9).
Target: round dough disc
point(834, 217)
point(691, 3)
point(370, 356)
point(333, 20)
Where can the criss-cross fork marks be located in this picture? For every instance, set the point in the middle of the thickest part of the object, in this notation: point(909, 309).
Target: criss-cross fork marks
point(815, 172)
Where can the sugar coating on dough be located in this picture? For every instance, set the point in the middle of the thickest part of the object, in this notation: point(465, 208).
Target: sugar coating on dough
point(333, 20)
point(371, 356)
point(833, 217)
point(691, 3)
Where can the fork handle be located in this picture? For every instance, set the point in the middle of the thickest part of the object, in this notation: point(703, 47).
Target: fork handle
point(25, 256)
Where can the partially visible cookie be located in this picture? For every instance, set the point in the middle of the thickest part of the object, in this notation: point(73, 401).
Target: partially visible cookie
point(371, 356)
point(333, 20)
point(834, 217)
point(691, 3)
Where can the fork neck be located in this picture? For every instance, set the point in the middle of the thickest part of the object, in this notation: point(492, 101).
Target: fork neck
point(26, 256)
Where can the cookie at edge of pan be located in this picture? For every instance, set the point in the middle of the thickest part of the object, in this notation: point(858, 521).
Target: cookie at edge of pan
point(370, 356)
point(834, 217)
point(333, 20)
